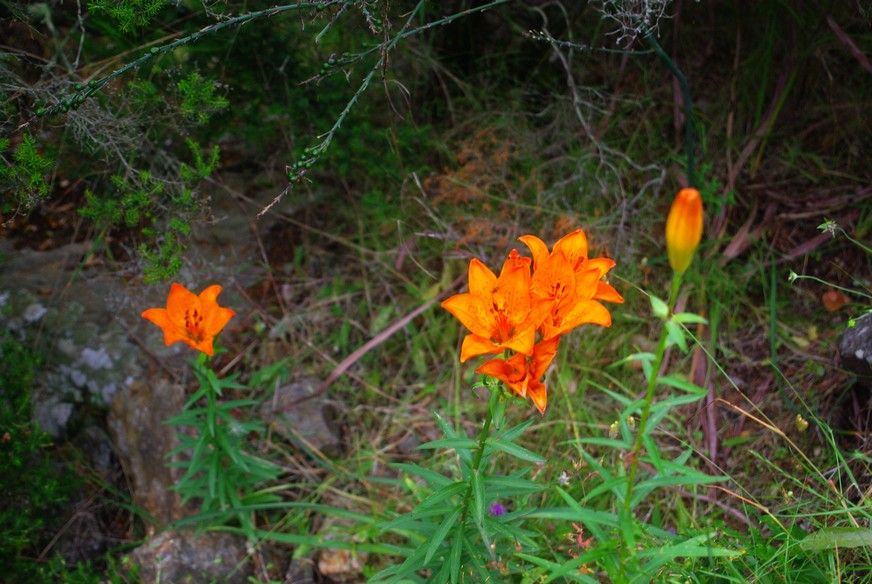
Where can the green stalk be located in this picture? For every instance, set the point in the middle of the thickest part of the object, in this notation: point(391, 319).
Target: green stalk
point(211, 410)
point(479, 450)
point(689, 142)
point(202, 364)
point(649, 398)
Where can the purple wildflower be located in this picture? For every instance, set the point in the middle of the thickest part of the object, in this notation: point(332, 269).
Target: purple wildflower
point(497, 509)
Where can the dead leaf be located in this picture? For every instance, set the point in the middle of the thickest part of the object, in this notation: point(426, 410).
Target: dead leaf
point(833, 300)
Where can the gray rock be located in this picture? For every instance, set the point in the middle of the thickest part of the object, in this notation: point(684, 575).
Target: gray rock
point(96, 359)
point(78, 378)
point(192, 558)
point(855, 348)
point(408, 444)
point(83, 539)
point(76, 317)
point(143, 442)
point(96, 445)
point(52, 415)
point(34, 312)
point(300, 571)
point(342, 565)
point(294, 417)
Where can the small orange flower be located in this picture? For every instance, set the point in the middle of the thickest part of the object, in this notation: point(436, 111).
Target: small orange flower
point(496, 310)
point(683, 228)
point(567, 285)
point(191, 319)
point(523, 374)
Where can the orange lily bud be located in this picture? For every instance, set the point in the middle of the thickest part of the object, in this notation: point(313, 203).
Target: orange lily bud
point(683, 228)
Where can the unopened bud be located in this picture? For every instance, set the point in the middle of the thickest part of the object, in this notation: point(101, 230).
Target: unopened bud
point(683, 228)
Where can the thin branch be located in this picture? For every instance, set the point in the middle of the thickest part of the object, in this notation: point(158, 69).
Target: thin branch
point(543, 35)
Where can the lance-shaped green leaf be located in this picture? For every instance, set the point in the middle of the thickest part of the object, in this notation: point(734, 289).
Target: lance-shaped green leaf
point(515, 450)
point(440, 535)
point(837, 537)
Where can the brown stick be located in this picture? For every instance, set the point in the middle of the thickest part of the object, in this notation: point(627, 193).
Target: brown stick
point(849, 44)
point(374, 342)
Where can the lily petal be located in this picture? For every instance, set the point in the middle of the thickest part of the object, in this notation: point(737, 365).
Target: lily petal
point(538, 394)
point(523, 341)
point(209, 296)
point(587, 312)
point(537, 248)
point(204, 346)
point(573, 246)
point(481, 280)
point(600, 265)
point(161, 318)
point(512, 293)
point(511, 371)
point(217, 319)
point(554, 279)
point(474, 345)
point(508, 370)
point(179, 300)
point(609, 294)
point(543, 355)
point(472, 312)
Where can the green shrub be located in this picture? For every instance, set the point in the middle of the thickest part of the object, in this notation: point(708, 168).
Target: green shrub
point(33, 485)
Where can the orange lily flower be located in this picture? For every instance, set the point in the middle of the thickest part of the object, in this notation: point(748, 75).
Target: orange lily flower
point(496, 310)
point(567, 285)
point(523, 374)
point(191, 319)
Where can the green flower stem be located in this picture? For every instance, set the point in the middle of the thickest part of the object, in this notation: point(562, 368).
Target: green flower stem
point(479, 450)
point(689, 141)
point(201, 364)
point(211, 410)
point(649, 398)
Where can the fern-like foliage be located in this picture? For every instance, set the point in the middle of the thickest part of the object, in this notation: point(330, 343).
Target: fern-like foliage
point(199, 100)
point(129, 14)
point(23, 179)
point(203, 166)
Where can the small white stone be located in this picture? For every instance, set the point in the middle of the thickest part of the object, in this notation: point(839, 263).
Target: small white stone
point(107, 392)
point(98, 359)
point(34, 312)
point(67, 347)
point(78, 378)
point(53, 416)
point(859, 353)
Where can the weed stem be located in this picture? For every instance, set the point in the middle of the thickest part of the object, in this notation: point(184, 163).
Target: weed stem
point(689, 142)
point(649, 398)
point(479, 449)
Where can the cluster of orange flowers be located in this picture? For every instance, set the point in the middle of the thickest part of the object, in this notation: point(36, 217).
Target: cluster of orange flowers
point(524, 311)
